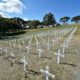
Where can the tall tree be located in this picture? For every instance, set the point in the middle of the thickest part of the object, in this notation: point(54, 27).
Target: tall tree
point(49, 19)
point(64, 19)
point(76, 19)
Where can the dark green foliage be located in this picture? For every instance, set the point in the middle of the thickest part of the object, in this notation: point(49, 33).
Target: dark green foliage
point(64, 19)
point(33, 24)
point(10, 25)
point(76, 19)
point(49, 19)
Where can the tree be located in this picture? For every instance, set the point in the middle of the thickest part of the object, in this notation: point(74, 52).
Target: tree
point(8, 25)
point(35, 23)
point(76, 19)
point(64, 19)
point(18, 20)
point(49, 19)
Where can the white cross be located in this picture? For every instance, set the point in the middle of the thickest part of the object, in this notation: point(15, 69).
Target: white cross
point(57, 38)
point(29, 42)
point(23, 42)
point(58, 56)
point(18, 41)
point(37, 44)
point(1, 50)
point(14, 45)
point(24, 63)
point(35, 38)
point(64, 46)
point(13, 58)
point(47, 74)
point(48, 46)
point(53, 41)
point(28, 49)
point(40, 51)
point(20, 47)
point(9, 43)
point(5, 50)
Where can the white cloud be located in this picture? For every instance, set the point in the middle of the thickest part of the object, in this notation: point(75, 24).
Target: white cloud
point(25, 19)
point(4, 15)
point(12, 6)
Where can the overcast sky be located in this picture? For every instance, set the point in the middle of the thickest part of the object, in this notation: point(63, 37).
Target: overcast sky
point(36, 9)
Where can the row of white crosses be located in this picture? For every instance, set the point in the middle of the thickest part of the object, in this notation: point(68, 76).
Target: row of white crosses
point(46, 72)
point(59, 56)
point(71, 35)
point(41, 34)
point(29, 45)
point(25, 63)
point(48, 44)
point(65, 45)
point(37, 42)
point(66, 42)
point(39, 50)
point(50, 33)
point(12, 58)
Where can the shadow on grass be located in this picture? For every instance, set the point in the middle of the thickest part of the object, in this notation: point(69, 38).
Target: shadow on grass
point(73, 65)
point(12, 35)
point(16, 33)
point(33, 72)
point(47, 57)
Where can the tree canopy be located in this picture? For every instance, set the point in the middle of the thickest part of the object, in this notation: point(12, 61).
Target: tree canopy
point(49, 19)
point(35, 23)
point(76, 19)
point(8, 25)
point(64, 19)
